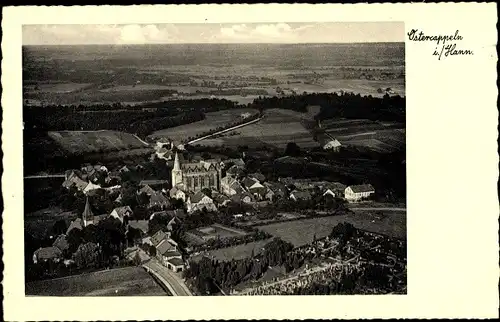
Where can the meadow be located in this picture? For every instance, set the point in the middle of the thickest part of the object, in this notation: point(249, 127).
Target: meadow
point(301, 232)
point(96, 141)
point(212, 120)
point(277, 128)
point(377, 136)
point(129, 281)
point(235, 252)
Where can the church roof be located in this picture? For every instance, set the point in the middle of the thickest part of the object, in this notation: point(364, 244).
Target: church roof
point(87, 212)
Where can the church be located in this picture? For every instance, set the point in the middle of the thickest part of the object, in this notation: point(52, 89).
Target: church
point(194, 176)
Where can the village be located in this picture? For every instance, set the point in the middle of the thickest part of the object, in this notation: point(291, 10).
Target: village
point(167, 225)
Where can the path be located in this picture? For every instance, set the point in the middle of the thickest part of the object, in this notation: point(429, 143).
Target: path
point(170, 279)
point(224, 131)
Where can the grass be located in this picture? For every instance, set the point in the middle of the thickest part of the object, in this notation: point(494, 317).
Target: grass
point(95, 141)
point(235, 252)
point(277, 128)
point(212, 121)
point(301, 232)
point(377, 136)
point(127, 281)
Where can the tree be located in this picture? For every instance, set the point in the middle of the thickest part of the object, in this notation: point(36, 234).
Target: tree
point(292, 149)
point(86, 255)
point(59, 227)
point(137, 259)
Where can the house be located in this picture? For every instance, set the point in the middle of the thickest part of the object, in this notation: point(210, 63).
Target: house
point(155, 183)
point(332, 145)
point(198, 201)
point(335, 189)
point(258, 176)
point(74, 180)
point(61, 242)
point(166, 251)
point(147, 190)
point(230, 186)
point(220, 199)
point(124, 169)
point(177, 193)
point(75, 224)
point(275, 190)
point(358, 192)
point(142, 225)
point(158, 237)
point(226, 164)
point(243, 197)
point(175, 264)
point(99, 218)
point(245, 115)
point(47, 254)
point(90, 186)
point(164, 153)
point(158, 200)
point(251, 183)
point(300, 195)
point(235, 172)
point(121, 212)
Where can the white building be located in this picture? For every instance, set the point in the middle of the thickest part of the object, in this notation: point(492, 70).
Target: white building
point(358, 192)
point(333, 145)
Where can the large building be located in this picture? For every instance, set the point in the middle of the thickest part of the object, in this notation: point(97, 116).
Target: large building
point(194, 176)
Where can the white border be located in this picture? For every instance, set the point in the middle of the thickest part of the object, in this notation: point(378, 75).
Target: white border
point(452, 170)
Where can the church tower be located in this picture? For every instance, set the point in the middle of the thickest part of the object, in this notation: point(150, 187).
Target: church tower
point(87, 216)
point(176, 171)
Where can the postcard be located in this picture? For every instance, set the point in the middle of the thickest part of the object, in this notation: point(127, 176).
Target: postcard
point(171, 162)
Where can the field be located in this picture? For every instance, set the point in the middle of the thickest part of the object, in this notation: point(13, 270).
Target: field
point(378, 136)
point(302, 232)
point(198, 236)
point(55, 88)
point(235, 252)
point(277, 128)
point(129, 281)
point(95, 141)
point(213, 120)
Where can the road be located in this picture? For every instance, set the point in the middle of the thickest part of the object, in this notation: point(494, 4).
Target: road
point(377, 208)
point(171, 280)
point(224, 131)
point(45, 176)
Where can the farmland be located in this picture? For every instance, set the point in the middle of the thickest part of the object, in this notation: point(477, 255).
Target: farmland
point(302, 232)
point(378, 136)
point(277, 128)
point(96, 141)
point(235, 252)
point(212, 120)
point(95, 74)
point(127, 281)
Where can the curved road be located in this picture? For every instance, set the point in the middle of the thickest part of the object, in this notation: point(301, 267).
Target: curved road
point(172, 281)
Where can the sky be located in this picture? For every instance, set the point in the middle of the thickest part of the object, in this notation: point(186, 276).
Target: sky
point(280, 32)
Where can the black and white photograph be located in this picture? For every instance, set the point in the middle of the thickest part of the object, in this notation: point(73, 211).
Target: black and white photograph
point(252, 162)
point(214, 159)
